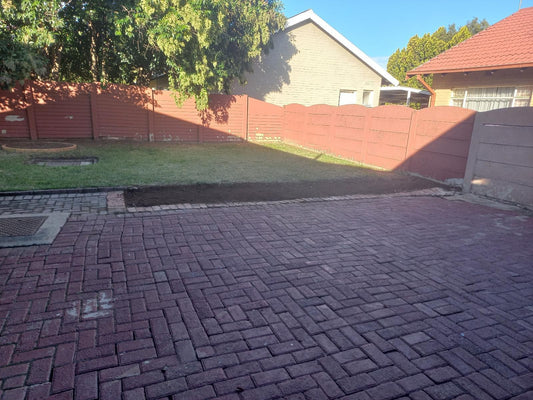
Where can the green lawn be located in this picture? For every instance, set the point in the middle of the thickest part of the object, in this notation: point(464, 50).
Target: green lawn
point(130, 164)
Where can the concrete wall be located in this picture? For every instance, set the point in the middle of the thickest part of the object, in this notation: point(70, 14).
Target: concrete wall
point(500, 160)
point(47, 110)
point(307, 66)
point(433, 142)
point(514, 78)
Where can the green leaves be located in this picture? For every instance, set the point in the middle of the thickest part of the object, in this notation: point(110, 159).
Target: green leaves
point(26, 36)
point(421, 49)
point(202, 45)
point(209, 43)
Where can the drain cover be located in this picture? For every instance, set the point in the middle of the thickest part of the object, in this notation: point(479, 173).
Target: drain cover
point(20, 226)
point(63, 161)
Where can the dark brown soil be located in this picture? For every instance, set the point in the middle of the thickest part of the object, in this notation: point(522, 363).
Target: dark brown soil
point(246, 192)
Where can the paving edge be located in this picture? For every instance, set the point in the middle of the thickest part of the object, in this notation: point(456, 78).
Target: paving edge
point(39, 192)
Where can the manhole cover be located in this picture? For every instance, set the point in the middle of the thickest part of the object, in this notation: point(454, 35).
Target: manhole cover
point(63, 161)
point(20, 226)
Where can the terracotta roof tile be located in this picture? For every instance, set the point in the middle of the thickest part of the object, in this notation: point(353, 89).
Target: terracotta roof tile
point(506, 44)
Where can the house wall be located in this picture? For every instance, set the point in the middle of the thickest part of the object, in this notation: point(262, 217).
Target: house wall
point(307, 66)
point(500, 160)
point(443, 84)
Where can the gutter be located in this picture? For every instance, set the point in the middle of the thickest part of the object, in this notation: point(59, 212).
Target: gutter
point(429, 88)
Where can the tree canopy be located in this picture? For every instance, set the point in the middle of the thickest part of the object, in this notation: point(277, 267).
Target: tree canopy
point(202, 45)
point(421, 49)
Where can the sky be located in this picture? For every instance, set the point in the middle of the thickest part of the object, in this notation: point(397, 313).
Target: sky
point(378, 28)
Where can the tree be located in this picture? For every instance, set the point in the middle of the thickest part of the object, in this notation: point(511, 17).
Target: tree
point(202, 45)
point(421, 49)
point(208, 44)
point(475, 26)
point(103, 42)
point(27, 36)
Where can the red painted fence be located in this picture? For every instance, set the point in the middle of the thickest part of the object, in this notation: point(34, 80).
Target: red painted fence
point(88, 111)
point(433, 142)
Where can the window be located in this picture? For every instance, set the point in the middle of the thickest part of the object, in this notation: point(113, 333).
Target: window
point(368, 97)
point(485, 99)
point(347, 97)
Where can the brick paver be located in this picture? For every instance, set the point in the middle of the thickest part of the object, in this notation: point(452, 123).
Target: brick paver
point(75, 202)
point(382, 298)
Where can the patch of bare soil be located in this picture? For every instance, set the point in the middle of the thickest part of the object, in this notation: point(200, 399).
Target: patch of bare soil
point(250, 192)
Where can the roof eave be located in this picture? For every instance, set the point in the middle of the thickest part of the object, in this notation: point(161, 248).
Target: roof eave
point(469, 69)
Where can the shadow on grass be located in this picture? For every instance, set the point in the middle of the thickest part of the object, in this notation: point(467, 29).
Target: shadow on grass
point(139, 164)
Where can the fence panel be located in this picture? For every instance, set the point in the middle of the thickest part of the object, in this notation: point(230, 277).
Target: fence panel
point(265, 121)
point(388, 135)
point(318, 126)
point(500, 161)
point(62, 110)
point(225, 120)
point(123, 112)
point(13, 114)
point(348, 133)
point(173, 123)
point(294, 123)
point(439, 142)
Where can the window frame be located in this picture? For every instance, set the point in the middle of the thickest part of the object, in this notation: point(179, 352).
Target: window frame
point(370, 98)
point(512, 98)
point(351, 91)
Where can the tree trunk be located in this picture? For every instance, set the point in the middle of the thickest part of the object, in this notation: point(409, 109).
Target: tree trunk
point(54, 55)
point(94, 53)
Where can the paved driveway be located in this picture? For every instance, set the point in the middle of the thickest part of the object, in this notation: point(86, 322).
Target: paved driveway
point(419, 298)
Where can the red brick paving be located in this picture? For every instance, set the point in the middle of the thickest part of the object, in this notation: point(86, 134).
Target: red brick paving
point(418, 298)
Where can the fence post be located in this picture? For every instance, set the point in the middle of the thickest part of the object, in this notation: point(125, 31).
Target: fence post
point(30, 111)
point(331, 128)
point(93, 98)
point(151, 112)
point(304, 135)
point(246, 117)
point(411, 140)
point(366, 134)
point(472, 152)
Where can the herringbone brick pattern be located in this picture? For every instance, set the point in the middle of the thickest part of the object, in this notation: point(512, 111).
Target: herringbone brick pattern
point(418, 298)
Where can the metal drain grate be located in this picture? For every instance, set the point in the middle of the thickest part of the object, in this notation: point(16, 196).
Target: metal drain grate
point(20, 226)
point(63, 161)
